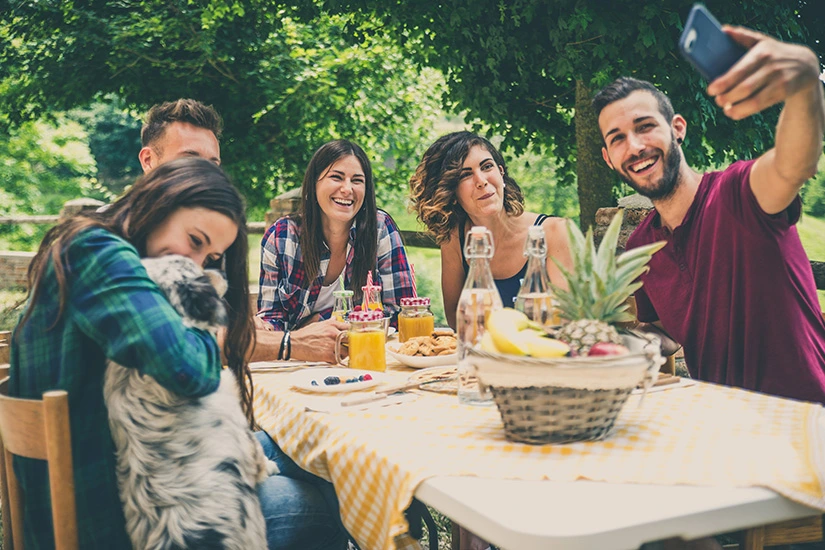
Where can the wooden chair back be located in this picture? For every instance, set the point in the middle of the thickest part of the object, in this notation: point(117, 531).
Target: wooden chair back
point(38, 429)
point(785, 533)
point(5, 347)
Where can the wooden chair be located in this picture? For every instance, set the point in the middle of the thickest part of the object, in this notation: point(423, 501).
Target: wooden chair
point(795, 531)
point(37, 429)
point(5, 347)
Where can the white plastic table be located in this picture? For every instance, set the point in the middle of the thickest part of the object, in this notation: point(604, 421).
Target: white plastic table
point(582, 515)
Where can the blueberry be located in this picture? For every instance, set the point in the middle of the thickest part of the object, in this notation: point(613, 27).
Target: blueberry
point(313, 383)
point(332, 380)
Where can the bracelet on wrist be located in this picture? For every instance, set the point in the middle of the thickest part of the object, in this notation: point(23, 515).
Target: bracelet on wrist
point(288, 339)
point(283, 344)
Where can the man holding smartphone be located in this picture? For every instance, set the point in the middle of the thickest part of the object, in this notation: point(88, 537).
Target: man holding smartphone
point(733, 285)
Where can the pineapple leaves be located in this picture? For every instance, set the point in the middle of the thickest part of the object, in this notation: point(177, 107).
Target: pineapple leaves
point(607, 248)
point(643, 251)
point(600, 282)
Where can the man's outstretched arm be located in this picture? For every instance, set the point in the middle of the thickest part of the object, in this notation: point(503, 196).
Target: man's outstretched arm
point(772, 72)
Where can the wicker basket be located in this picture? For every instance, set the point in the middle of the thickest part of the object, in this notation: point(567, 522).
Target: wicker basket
point(566, 399)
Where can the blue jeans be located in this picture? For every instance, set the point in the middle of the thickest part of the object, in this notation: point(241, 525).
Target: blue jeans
point(300, 509)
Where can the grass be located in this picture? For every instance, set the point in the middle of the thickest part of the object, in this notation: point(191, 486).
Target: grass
point(812, 234)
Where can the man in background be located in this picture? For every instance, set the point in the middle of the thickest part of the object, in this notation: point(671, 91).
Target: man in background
point(181, 128)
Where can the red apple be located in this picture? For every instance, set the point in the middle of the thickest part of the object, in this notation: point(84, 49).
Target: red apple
point(608, 348)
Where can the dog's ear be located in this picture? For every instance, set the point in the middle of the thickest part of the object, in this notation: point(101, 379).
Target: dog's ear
point(200, 301)
point(218, 280)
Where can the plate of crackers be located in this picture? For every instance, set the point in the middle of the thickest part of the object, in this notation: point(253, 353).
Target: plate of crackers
point(419, 352)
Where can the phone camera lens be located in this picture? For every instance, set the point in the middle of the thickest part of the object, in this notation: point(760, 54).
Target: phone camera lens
point(690, 40)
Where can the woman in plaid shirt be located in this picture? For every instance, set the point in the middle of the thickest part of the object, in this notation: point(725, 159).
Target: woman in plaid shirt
point(339, 232)
point(92, 301)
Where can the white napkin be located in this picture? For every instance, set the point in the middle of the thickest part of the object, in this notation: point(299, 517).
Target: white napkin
point(332, 403)
point(683, 383)
point(285, 366)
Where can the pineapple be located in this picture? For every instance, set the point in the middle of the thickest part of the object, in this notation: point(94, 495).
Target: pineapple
point(599, 286)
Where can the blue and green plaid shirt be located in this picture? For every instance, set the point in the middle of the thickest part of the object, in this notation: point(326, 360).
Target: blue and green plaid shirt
point(113, 311)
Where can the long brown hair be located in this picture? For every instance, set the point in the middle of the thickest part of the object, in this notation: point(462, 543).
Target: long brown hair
point(181, 183)
point(310, 215)
point(433, 186)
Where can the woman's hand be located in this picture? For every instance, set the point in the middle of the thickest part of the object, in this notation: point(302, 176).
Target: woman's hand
point(316, 341)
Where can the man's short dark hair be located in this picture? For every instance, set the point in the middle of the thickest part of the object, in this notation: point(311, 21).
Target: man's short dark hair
point(183, 110)
point(623, 87)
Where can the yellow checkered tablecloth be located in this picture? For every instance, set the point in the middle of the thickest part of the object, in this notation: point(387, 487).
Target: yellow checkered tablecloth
point(700, 435)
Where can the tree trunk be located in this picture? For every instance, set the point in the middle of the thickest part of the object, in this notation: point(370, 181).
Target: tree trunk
point(595, 178)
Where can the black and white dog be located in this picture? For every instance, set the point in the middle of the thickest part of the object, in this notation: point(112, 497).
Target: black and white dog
point(187, 468)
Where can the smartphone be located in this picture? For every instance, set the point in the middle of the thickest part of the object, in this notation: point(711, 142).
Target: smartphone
point(706, 46)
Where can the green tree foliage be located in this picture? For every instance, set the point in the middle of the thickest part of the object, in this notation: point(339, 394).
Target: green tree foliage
point(813, 196)
point(114, 141)
point(283, 87)
point(41, 167)
point(528, 68)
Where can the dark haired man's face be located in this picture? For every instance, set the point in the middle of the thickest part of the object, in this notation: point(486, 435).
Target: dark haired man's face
point(181, 139)
point(640, 145)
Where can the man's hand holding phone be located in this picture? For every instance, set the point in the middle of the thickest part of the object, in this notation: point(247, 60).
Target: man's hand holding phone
point(770, 72)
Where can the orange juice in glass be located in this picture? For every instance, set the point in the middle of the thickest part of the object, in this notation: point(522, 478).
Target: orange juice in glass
point(372, 297)
point(367, 338)
point(415, 318)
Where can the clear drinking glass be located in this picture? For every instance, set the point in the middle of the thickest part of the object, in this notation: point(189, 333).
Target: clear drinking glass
point(342, 305)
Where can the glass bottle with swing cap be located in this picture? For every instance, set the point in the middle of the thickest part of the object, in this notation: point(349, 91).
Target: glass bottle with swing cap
point(478, 298)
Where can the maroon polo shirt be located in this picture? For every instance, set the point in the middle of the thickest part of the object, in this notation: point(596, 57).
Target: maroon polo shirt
point(734, 287)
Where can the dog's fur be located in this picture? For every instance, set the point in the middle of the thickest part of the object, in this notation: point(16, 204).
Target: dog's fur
point(187, 468)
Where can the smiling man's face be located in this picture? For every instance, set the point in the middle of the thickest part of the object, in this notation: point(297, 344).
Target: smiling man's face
point(641, 145)
point(180, 139)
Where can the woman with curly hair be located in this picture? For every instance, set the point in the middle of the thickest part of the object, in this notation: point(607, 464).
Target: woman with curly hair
point(462, 181)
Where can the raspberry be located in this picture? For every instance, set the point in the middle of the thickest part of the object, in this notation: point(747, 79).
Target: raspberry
point(367, 377)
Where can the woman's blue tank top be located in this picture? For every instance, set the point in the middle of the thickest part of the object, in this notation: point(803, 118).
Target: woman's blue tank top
point(507, 288)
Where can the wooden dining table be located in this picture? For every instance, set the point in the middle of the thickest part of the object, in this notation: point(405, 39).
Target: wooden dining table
point(688, 461)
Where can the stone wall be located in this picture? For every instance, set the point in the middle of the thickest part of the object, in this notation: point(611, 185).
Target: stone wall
point(13, 268)
point(636, 208)
point(283, 205)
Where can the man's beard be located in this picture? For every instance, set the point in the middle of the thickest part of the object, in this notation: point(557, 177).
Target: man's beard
point(667, 185)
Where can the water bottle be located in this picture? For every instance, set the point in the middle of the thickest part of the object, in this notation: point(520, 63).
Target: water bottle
point(478, 298)
point(534, 298)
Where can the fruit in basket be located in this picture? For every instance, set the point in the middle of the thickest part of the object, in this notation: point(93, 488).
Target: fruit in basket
point(598, 286)
point(487, 343)
point(541, 346)
point(505, 326)
point(607, 348)
point(512, 332)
